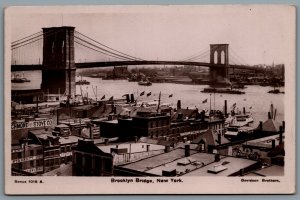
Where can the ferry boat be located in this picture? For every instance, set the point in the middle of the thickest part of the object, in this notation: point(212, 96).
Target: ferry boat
point(225, 90)
point(239, 120)
point(235, 132)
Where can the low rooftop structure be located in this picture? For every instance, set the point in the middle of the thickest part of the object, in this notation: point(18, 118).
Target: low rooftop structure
point(186, 162)
point(273, 170)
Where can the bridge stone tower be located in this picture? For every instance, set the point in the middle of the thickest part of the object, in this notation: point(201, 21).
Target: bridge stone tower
point(58, 74)
point(219, 56)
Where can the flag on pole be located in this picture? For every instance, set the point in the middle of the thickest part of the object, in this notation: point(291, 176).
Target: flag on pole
point(103, 97)
point(233, 106)
point(170, 95)
point(142, 93)
point(148, 94)
point(205, 101)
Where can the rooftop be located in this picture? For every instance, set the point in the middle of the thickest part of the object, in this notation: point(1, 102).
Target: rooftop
point(273, 170)
point(132, 147)
point(271, 126)
point(155, 161)
point(63, 170)
point(232, 165)
point(185, 164)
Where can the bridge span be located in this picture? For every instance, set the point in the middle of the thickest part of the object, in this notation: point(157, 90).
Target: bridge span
point(126, 63)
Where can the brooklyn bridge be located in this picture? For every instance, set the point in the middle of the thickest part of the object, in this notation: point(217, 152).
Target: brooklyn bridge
point(52, 51)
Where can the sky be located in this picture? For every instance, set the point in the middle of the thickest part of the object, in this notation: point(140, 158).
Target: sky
point(256, 34)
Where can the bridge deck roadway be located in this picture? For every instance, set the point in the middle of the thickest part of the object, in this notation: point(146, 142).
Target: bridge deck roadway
point(121, 63)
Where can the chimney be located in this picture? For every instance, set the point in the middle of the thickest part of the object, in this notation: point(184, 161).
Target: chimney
point(273, 144)
point(148, 147)
point(260, 125)
point(244, 110)
point(187, 150)
point(217, 157)
point(178, 104)
point(169, 173)
point(219, 138)
point(106, 141)
point(225, 108)
point(241, 172)
point(167, 149)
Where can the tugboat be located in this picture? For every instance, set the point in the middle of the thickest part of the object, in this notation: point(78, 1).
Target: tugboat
point(145, 82)
point(82, 82)
point(276, 91)
point(18, 79)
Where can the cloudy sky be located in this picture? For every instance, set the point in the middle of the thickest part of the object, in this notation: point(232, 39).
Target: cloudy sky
point(257, 35)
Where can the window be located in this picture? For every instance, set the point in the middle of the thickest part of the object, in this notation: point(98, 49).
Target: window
point(107, 165)
point(56, 161)
point(39, 152)
point(68, 148)
point(31, 163)
point(19, 154)
point(39, 162)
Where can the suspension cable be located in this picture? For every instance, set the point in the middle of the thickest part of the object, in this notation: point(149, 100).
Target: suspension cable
point(103, 49)
point(135, 58)
point(96, 50)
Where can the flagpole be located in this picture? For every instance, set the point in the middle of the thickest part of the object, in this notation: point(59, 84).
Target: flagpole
point(209, 106)
point(214, 101)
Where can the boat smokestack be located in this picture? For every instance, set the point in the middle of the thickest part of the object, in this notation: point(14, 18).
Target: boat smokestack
point(244, 110)
point(178, 104)
point(131, 98)
point(269, 115)
point(127, 98)
point(225, 108)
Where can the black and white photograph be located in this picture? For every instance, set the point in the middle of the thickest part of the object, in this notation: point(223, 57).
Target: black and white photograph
point(150, 99)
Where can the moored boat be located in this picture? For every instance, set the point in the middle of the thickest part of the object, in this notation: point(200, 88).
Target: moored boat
point(145, 83)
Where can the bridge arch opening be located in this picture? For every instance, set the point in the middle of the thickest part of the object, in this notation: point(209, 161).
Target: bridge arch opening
point(215, 57)
point(222, 57)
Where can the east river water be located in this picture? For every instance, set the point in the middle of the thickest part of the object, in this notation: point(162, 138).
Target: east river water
point(256, 97)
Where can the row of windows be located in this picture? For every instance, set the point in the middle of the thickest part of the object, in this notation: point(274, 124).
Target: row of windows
point(52, 152)
point(51, 162)
point(95, 162)
point(159, 123)
point(64, 149)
